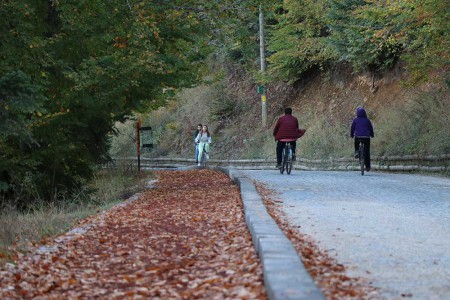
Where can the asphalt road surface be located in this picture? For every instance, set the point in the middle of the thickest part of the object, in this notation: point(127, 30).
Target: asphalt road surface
point(393, 229)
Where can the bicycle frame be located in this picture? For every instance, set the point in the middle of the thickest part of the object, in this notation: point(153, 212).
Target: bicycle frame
point(361, 152)
point(204, 158)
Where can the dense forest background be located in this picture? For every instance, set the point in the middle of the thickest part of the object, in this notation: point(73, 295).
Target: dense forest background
point(74, 74)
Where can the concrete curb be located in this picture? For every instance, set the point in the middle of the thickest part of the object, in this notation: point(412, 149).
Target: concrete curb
point(285, 276)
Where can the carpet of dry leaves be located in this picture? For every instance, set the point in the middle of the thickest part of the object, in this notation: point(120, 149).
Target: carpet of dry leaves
point(329, 275)
point(184, 239)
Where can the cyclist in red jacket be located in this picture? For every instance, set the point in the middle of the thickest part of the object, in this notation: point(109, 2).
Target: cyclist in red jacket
point(286, 131)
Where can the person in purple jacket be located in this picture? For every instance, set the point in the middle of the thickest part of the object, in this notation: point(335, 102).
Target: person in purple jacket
point(362, 130)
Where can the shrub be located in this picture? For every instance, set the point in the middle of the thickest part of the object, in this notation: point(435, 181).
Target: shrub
point(420, 127)
point(224, 106)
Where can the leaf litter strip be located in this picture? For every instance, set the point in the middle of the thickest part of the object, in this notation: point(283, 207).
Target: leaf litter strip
point(184, 239)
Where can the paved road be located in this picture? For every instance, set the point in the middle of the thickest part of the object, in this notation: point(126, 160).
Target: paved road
point(393, 229)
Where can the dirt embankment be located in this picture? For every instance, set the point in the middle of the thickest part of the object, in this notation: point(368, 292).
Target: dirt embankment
point(325, 105)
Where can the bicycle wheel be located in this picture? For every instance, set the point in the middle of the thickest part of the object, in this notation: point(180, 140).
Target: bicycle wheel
point(289, 160)
point(205, 156)
point(204, 159)
point(361, 157)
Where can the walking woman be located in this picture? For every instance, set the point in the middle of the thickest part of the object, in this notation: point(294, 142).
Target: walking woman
point(203, 140)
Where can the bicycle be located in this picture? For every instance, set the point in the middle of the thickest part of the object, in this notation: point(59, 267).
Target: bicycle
point(286, 163)
point(204, 157)
point(361, 154)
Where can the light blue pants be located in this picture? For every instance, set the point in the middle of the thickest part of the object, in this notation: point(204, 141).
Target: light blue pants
point(196, 151)
point(200, 150)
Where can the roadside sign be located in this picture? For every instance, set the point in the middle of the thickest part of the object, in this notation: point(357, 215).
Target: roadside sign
point(260, 89)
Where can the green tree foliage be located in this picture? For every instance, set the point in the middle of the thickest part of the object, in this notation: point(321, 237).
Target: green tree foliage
point(20, 108)
point(22, 92)
point(299, 39)
point(236, 28)
point(416, 31)
point(371, 35)
point(70, 69)
point(423, 30)
point(361, 36)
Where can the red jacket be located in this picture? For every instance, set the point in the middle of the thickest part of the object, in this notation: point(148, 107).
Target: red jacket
point(286, 128)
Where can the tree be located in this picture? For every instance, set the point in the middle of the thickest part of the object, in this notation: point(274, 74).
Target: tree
point(80, 66)
point(299, 39)
point(423, 29)
point(361, 34)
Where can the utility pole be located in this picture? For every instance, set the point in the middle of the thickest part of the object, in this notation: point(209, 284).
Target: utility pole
point(263, 67)
point(138, 143)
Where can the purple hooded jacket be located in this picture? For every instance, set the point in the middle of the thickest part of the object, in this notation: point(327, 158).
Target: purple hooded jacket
point(361, 125)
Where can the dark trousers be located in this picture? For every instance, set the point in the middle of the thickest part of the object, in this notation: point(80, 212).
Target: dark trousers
point(366, 142)
point(280, 147)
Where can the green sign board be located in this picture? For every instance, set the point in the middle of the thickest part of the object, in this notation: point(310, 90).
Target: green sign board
point(260, 89)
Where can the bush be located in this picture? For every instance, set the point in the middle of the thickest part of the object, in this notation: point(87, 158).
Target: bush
point(123, 142)
point(420, 127)
point(323, 140)
point(224, 106)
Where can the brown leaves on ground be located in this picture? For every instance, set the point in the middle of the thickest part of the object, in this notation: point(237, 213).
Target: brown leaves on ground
point(329, 275)
point(184, 239)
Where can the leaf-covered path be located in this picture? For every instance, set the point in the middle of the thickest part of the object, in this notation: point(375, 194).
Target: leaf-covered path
point(184, 239)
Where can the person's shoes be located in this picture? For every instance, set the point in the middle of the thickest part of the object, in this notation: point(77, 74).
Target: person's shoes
point(198, 164)
point(367, 169)
point(196, 161)
point(278, 166)
point(294, 158)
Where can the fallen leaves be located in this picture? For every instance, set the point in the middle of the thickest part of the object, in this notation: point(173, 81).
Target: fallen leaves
point(184, 239)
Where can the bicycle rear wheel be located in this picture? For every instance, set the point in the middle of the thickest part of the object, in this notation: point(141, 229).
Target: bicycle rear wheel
point(289, 160)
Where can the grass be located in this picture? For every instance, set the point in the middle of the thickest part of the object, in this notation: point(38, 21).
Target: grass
point(19, 231)
point(421, 126)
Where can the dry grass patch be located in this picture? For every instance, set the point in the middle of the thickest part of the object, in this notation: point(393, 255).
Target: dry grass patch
point(22, 230)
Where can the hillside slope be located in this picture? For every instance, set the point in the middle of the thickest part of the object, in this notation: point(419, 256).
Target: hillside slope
point(406, 120)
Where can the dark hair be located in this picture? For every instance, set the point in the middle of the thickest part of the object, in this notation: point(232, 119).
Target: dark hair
point(207, 130)
point(199, 125)
point(288, 111)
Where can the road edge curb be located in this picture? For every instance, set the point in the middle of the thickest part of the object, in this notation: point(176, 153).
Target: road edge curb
point(285, 276)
